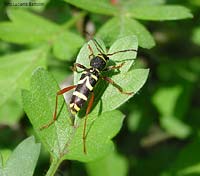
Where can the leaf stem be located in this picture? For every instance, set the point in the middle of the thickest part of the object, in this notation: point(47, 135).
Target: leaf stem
point(53, 167)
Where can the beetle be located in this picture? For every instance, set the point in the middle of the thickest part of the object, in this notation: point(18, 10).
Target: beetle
point(87, 82)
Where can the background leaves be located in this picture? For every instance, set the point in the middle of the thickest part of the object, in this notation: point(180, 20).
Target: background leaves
point(13, 77)
point(164, 12)
point(102, 7)
point(130, 26)
point(118, 167)
point(39, 30)
point(122, 25)
point(23, 160)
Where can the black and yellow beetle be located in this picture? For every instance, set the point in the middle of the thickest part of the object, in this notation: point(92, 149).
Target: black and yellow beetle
point(89, 78)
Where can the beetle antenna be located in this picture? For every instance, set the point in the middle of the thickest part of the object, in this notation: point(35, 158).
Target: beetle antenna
point(110, 54)
point(98, 46)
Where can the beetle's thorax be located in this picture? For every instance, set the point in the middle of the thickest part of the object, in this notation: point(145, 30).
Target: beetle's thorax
point(99, 62)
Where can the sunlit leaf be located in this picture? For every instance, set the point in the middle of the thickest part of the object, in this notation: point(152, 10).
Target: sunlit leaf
point(118, 27)
point(102, 7)
point(162, 12)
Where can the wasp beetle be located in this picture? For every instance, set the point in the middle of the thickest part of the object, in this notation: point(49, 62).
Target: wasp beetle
point(89, 78)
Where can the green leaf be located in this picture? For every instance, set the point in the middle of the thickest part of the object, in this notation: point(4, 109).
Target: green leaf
point(66, 45)
point(63, 140)
point(175, 127)
point(98, 138)
point(128, 42)
point(134, 120)
point(21, 31)
point(4, 155)
point(40, 30)
point(1, 165)
point(121, 26)
point(195, 2)
point(131, 81)
point(159, 12)
point(184, 69)
point(166, 99)
point(15, 73)
point(188, 161)
point(149, 2)
point(23, 160)
point(196, 36)
point(102, 7)
point(113, 165)
point(11, 111)
point(108, 97)
point(39, 104)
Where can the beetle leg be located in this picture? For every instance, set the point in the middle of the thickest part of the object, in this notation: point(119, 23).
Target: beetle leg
point(109, 80)
point(85, 121)
point(74, 68)
point(60, 92)
point(91, 52)
point(114, 67)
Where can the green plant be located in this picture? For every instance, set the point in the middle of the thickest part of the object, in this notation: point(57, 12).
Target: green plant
point(29, 41)
point(63, 140)
point(22, 160)
point(123, 22)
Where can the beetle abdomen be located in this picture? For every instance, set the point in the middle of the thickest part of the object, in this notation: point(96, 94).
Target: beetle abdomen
point(85, 85)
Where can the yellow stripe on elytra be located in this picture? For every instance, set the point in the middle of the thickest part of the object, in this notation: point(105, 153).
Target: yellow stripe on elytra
point(97, 70)
point(80, 95)
point(71, 105)
point(88, 85)
point(94, 77)
point(76, 107)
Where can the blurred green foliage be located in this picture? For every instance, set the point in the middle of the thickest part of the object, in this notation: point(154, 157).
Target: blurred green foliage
point(160, 133)
point(22, 160)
